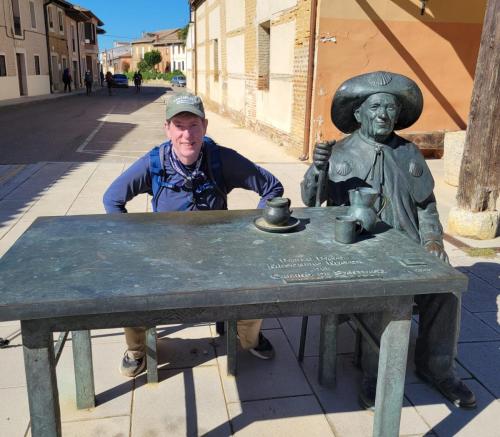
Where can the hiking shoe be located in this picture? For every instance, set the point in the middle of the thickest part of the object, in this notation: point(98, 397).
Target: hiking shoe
point(132, 367)
point(367, 393)
point(264, 350)
point(452, 388)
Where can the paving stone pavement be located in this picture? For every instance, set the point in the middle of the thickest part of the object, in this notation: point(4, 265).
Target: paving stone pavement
point(275, 398)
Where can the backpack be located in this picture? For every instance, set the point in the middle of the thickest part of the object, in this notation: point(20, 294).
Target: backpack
point(157, 168)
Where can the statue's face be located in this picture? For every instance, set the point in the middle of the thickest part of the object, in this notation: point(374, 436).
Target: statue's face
point(377, 115)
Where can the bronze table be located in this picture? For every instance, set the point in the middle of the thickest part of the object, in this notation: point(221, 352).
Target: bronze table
point(101, 271)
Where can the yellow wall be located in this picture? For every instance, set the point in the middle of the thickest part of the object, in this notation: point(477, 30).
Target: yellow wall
point(438, 50)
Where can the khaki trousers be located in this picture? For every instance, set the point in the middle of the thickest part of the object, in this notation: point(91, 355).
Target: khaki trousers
point(248, 332)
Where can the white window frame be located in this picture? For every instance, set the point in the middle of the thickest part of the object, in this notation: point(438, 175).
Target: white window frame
point(74, 39)
point(60, 21)
point(5, 60)
point(36, 55)
point(17, 35)
point(50, 17)
point(32, 14)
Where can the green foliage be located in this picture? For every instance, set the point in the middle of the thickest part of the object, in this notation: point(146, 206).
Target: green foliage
point(143, 65)
point(154, 75)
point(183, 33)
point(170, 75)
point(152, 58)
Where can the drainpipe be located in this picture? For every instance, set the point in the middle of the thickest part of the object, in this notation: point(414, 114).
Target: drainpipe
point(195, 51)
point(310, 77)
point(49, 57)
point(79, 57)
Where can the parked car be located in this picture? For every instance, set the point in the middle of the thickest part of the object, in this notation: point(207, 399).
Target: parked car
point(120, 81)
point(178, 81)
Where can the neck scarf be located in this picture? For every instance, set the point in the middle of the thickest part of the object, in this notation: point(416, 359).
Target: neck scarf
point(188, 172)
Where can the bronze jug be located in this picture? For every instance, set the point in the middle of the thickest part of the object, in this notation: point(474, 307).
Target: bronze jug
point(362, 207)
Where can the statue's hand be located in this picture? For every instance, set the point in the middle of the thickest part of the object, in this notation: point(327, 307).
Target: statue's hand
point(437, 250)
point(321, 154)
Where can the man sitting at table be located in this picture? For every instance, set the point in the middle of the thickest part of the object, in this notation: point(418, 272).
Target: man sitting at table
point(189, 172)
point(370, 107)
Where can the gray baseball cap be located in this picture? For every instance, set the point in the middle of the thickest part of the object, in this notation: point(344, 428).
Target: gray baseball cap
point(184, 102)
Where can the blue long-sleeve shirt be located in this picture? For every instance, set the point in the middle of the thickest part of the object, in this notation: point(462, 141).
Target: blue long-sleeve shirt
point(237, 172)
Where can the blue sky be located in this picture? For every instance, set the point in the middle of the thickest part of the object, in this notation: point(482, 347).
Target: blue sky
point(125, 20)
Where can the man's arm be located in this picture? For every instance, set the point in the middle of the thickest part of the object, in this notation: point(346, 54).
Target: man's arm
point(133, 181)
point(239, 172)
point(430, 229)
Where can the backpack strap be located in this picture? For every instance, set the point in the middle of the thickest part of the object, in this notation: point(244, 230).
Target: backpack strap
point(159, 168)
point(214, 168)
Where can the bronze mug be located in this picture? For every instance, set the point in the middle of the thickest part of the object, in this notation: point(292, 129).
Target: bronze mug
point(277, 211)
point(347, 229)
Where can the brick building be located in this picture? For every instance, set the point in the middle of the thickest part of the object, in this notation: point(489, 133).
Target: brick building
point(275, 64)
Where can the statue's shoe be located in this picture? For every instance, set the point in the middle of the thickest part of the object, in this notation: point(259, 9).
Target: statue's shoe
point(367, 393)
point(452, 388)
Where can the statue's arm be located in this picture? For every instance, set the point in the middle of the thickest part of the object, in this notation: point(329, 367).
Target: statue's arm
point(431, 231)
point(309, 186)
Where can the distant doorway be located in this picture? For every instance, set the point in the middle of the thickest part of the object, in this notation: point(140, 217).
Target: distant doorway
point(21, 74)
point(56, 74)
point(76, 76)
point(89, 65)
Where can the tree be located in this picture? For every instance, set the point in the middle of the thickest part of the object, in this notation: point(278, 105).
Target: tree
point(182, 33)
point(479, 181)
point(143, 65)
point(152, 58)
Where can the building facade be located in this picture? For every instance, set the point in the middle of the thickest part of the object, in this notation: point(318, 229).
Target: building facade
point(118, 59)
point(168, 43)
point(250, 62)
point(274, 65)
point(24, 69)
point(57, 41)
point(40, 39)
point(88, 29)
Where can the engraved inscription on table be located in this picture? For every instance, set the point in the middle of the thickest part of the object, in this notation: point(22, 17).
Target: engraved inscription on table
point(321, 268)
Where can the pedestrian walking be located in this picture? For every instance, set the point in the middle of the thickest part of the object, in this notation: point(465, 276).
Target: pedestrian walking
point(101, 78)
point(88, 82)
point(67, 79)
point(109, 81)
point(137, 81)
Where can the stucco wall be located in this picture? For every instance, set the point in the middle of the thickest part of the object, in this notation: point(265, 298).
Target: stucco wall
point(266, 8)
point(438, 50)
point(38, 85)
point(274, 106)
point(236, 72)
point(235, 15)
point(30, 43)
point(9, 87)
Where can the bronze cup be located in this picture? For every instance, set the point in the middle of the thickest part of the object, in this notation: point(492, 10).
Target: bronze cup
point(347, 229)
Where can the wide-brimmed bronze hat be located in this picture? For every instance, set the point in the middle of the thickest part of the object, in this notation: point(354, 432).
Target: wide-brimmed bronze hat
point(354, 91)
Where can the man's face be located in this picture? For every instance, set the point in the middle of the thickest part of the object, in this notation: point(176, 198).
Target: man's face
point(186, 131)
point(377, 115)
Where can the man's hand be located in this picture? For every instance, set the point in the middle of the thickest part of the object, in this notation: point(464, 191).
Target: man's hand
point(437, 250)
point(321, 154)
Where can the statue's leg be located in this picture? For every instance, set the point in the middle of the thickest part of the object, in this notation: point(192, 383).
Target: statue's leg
point(439, 324)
